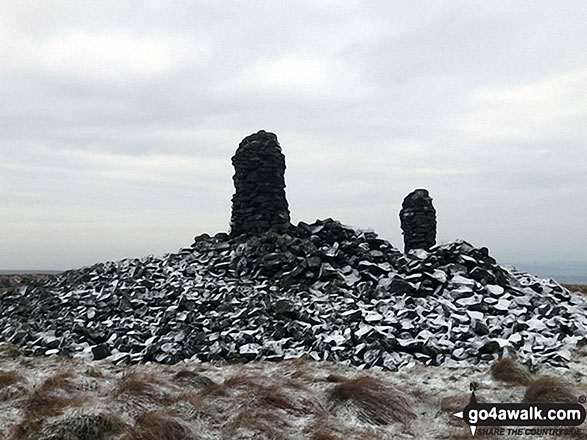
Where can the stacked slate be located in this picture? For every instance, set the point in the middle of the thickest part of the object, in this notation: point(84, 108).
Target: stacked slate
point(324, 290)
point(418, 221)
point(259, 202)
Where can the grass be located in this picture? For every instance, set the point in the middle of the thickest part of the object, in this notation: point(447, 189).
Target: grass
point(374, 401)
point(41, 404)
point(328, 428)
point(84, 426)
point(58, 381)
point(139, 383)
point(27, 429)
point(193, 379)
point(322, 433)
point(9, 351)
point(336, 378)
point(136, 382)
point(267, 406)
point(50, 399)
point(155, 425)
point(548, 389)
point(94, 372)
point(260, 401)
point(264, 424)
point(285, 394)
point(251, 404)
point(508, 370)
point(9, 377)
point(282, 397)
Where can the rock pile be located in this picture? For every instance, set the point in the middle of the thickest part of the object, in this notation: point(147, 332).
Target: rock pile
point(418, 220)
point(259, 203)
point(324, 290)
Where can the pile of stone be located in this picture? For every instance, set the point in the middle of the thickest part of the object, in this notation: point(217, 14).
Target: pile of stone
point(272, 291)
point(418, 221)
point(259, 202)
point(323, 290)
point(323, 250)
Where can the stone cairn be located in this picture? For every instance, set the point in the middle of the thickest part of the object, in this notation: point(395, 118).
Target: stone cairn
point(259, 202)
point(418, 221)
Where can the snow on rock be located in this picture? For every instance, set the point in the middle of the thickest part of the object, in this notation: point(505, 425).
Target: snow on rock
point(323, 289)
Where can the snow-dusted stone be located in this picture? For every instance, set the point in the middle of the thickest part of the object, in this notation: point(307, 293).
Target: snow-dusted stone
point(266, 297)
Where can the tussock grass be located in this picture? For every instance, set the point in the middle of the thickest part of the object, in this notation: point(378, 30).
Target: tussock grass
point(27, 429)
point(211, 389)
point(255, 406)
point(58, 381)
point(326, 428)
point(9, 351)
point(420, 395)
point(40, 404)
point(9, 377)
point(136, 382)
point(336, 378)
point(84, 426)
point(548, 389)
point(282, 397)
point(324, 434)
point(286, 394)
point(508, 370)
point(301, 373)
point(243, 380)
point(373, 401)
point(48, 400)
point(94, 372)
point(264, 424)
point(257, 401)
point(191, 378)
point(51, 397)
point(154, 425)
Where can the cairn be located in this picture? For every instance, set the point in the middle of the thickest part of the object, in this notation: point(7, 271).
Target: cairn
point(418, 221)
point(259, 202)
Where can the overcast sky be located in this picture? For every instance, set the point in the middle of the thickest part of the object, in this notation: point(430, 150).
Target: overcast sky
point(118, 120)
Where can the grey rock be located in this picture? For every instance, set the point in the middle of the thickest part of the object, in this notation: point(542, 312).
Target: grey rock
point(100, 352)
point(418, 222)
point(259, 202)
point(274, 295)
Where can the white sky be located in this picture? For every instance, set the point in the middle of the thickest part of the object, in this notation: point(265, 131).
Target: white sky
point(118, 120)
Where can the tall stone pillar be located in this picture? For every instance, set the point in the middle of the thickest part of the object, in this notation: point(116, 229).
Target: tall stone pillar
point(259, 202)
point(418, 221)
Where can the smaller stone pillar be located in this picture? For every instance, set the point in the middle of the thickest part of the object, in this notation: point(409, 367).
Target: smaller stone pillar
point(418, 221)
point(259, 203)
